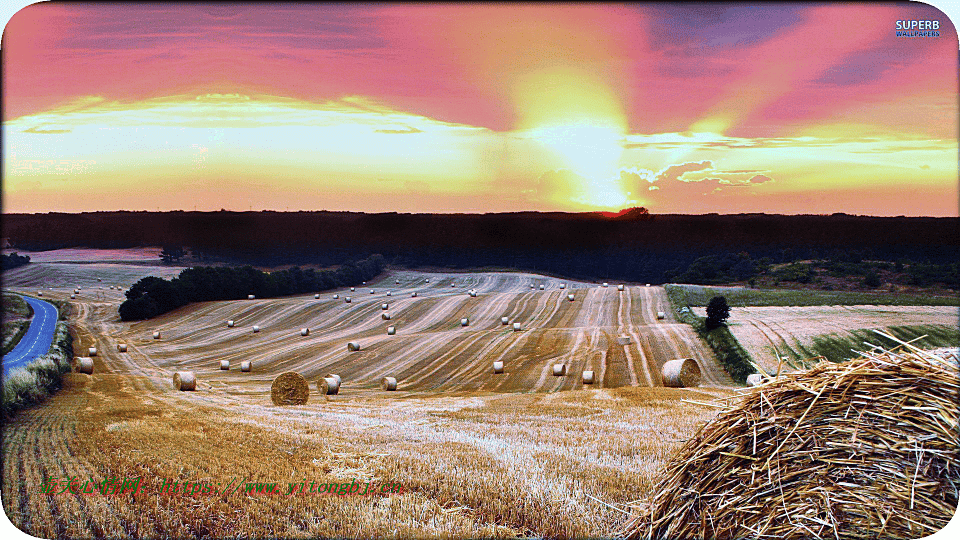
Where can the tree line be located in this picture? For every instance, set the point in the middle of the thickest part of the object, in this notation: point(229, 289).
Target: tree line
point(152, 296)
point(8, 262)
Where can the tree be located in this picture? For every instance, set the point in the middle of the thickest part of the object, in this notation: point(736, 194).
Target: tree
point(717, 312)
point(171, 254)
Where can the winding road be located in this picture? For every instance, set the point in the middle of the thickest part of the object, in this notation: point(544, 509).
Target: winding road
point(36, 342)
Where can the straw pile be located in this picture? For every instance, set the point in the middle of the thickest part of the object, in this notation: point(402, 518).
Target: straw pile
point(623, 340)
point(156, 334)
point(862, 449)
point(256, 329)
point(185, 380)
point(250, 297)
point(353, 346)
point(328, 386)
point(682, 373)
point(336, 297)
point(559, 369)
point(563, 285)
point(619, 287)
point(385, 316)
point(347, 299)
point(316, 297)
point(246, 366)
point(391, 330)
point(92, 351)
point(73, 296)
point(498, 367)
point(334, 376)
point(388, 383)
point(413, 295)
point(85, 365)
point(570, 297)
point(384, 306)
point(304, 331)
point(465, 321)
point(289, 388)
point(661, 315)
point(230, 323)
point(225, 364)
point(517, 327)
point(504, 321)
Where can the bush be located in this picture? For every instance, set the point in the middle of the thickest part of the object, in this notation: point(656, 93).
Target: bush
point(717, 312)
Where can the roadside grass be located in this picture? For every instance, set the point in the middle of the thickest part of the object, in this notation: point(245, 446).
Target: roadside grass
point(12, 332)
point(16, 315)
point(34, 382)
point(697, 295)
point(734, 358)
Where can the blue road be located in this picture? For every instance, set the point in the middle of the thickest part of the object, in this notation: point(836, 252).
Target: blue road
point(36, 342)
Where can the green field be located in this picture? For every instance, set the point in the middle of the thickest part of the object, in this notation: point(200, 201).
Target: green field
point(697, 295)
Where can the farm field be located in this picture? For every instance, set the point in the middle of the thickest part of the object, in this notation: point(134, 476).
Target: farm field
point(765, 330)
point(478, 454)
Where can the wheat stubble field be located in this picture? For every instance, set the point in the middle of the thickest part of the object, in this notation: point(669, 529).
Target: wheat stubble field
point(478, 454)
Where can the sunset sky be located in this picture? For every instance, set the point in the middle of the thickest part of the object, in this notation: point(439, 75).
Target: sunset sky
point(777, 108)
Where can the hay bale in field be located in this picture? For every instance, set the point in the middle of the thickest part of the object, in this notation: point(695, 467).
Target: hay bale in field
point(754, 379)
point(353, 346)
point(230, 323)
point(389, 293)
point(156, 334)
point(541, 287)
point(250, 297)
point(185, 381)
point(413, 295)
point(563, 285)
point(588, 377)
point(391, 330)
point(334, 376)
point(661, 315)
point(289, 388)
point(384, 306)
point(859, 449)
point(73, 296)
point(385, 316)
point(646, 285)
point(353, 289)
point(516, 327)
point(428, 280)
point(336, 297)
point(371, 291)
point(570, 297)
point(92, 351)
point(619, 287)
point(559, 369)
point(473, 294)
point(246, 366)
point(680, 373)
point(453, 284)
point(498, 367)
point(388, 383)
point(316, 297)
point(225, 365)
point(347, 299)
point(304, 331)
point(329, 386)
point(605, 284)
point(504, 321)
point(121, 347)
point(623, 340)
point(531, 285)
point(39, 293)
point(398, 282)
point(465, 321)
point(85, 365)
point(256, 329)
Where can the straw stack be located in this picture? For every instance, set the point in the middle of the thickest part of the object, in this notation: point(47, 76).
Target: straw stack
point(329, 386)
point(289, 388)
point(498, 367)
point(185, 381)
point(516, 327)
point(465, 321)
point(85, 365)
point(559, 369)
point(385, 316)
point(504, 321)
point(353, 346)
point(861, 449)
point(391, 330)
point(588, 377)
point(681, 373)
point(246, 366)
point(121, 347)
point(225, 364)
point(388, 383)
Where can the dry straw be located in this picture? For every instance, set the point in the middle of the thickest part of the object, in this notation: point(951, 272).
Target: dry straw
point(156, 334)
point(498, 367)
point(329, 386)
point(563, 285)
point(304, 331)
point(92, 351)
point(754, 379)
point(225, 364)
point(504, 321)
point(185, 380)
point(661, 315)
point(85, 365)
point(121, 347)
point(465, 321)
point(570, 297)
point(516, 327)
point(588, 377)
point(246, 366)
point(861, 449)
point(353, 346)
point(391, 330)
point(230, 323)
point(388, 383)
point(333, 376)
point(256, 329)
point(559, 369)
point(680, 373)
point(385, 316)
point(289, 388)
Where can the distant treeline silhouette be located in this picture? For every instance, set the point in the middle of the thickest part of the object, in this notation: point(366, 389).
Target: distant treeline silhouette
point(152, 296)
point(13, 260)
point(636, 246)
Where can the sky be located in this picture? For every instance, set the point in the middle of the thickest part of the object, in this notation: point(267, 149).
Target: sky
point(681, 108)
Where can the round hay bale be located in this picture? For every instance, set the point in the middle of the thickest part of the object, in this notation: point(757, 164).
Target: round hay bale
point(246, 366)
point(364, 283)
point(304, 331)
point(428, 280)
point(541, 287)
point(39, 293)
point(256, 329)
point(623, 340)
point(619, 287)
point(388, 383)
point(389, 294)
point(841, 447)
point(646, 285)
point(92, 351)
point(588, 377)
point(347, 299)
point(385, 316)
point(398, 282)
point(605, 284)
point(563, 285)
point(531, 285)
point(353, 289)
point(336, 297)
point(73, 296)
point(334, 376)
point(185, 381)
point(121, 347)
point(570, 297)
point(85, 365)
point(230, 323)
point(516, 327)
point(250, 297)
point(682, 373)
point(754, 379)
point(353, 346)
point(371, 291)
point(559, 369)
point(225, 365)
point(453, 284)
point(156, 334)
point(316, 297)
point(289, 388)
point(504, 321)
point(414, 295)
point(498, 367)
point(661, 315)
point(465, 321)
point(384, 306)
point(473, 294)
point(391, 330)
point(329, 386)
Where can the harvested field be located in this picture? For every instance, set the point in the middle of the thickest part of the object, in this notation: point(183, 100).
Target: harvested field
point(763, 331)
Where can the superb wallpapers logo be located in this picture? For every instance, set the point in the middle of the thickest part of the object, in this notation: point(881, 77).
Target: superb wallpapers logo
point(918, 28)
